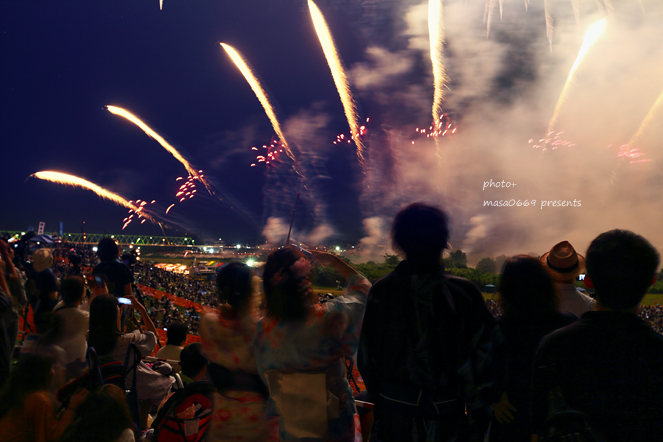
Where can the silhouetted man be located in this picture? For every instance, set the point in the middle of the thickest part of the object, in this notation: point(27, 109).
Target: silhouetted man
point(609, 365)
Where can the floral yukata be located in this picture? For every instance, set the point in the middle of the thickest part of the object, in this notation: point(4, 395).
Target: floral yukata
point(301, 362)
point(238, 415)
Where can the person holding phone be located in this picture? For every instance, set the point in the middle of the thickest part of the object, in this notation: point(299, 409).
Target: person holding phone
point(111, 344)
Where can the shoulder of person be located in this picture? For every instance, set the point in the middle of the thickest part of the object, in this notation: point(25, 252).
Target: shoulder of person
point(567, 317)
point(388, 280)
point(208, 318)
point(38, 400)
point(586, 297)
point(463, 287)
point(466, 284)
point(557, 339)
point(127, 436)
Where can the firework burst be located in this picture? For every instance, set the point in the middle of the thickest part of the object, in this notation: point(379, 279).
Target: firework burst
point(442, 127)
point(273, 151)
point(552, 141)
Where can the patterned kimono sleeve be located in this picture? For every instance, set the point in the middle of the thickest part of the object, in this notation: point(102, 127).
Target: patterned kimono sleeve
point(352, 305)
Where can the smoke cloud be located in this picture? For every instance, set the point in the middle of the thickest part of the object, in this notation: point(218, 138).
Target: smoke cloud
point(501, 94)
point(571, 184)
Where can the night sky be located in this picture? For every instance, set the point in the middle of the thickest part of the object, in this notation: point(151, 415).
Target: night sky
point(63, 62)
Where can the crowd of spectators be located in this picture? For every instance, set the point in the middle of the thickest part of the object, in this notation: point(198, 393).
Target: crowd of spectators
point(164, 312)
point(439, 361)
point(198, 290)
point(201, 290)
point(652, 315)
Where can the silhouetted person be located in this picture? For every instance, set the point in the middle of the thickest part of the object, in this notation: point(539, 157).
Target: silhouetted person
point(426, 350)
point(608, 365)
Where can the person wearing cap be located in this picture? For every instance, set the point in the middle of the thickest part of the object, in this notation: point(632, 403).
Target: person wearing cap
point(608, 365)
point(564, 265)
point(42, 289)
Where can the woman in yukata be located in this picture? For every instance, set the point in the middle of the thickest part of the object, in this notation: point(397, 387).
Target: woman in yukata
point(300, 345)
point(227, 337)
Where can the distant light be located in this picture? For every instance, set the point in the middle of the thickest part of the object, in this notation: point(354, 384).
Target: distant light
point(238, 246)
point(131, 246)
point(338, 248)
point(94, 249)
point(250, 263)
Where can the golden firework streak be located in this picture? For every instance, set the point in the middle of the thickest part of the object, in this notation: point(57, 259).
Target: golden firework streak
point(338, 74)
point(634, 139)
point(71, 180)
point(436, 36)
point(646, 121)
point(263, 98)
point(590, 38)
point(159, 139)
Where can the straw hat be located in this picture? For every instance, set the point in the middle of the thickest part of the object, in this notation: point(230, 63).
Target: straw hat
point(42, 259)
point(562, 262)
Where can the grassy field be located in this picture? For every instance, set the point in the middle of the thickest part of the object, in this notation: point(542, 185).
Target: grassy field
point(323, 290)
point(652, 299)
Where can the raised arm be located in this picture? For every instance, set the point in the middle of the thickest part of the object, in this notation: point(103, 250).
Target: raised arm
point(147, 321)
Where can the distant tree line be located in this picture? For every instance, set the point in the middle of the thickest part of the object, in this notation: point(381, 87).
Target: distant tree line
point(485, 272)
point(455, 264)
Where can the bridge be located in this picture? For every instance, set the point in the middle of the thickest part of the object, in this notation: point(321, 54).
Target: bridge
point(125, 240)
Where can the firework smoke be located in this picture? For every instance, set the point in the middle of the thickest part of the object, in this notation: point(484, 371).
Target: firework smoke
point(646, 121)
